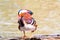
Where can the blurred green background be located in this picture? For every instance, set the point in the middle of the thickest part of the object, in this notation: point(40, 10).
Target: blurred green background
point(46, 13)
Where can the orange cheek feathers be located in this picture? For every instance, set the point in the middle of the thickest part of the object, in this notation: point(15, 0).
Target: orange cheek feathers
point(27, 16)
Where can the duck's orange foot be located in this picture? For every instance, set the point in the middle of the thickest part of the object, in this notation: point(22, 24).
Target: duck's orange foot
point(33, 31)
point(24, 37)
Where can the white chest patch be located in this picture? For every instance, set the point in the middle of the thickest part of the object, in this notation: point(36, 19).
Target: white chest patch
point(27, 27)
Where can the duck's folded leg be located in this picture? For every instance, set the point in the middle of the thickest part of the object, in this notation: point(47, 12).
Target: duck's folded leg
point(34, 30)
point(35, 27)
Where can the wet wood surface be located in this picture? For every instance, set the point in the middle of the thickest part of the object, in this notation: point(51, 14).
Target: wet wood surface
point(35, 37)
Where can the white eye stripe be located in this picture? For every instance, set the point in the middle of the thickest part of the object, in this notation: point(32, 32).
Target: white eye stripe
point(22, 11)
